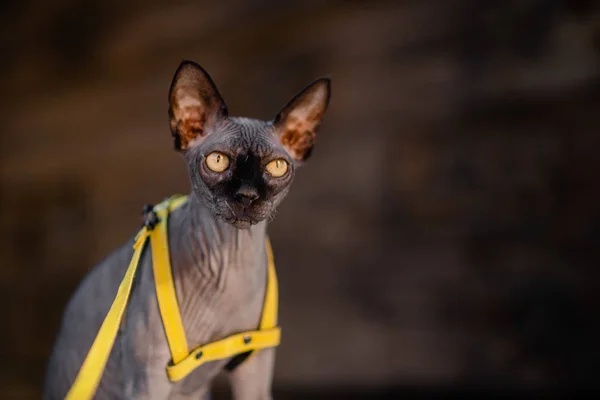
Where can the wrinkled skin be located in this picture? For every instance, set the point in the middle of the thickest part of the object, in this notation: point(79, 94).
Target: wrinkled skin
point(217, 247)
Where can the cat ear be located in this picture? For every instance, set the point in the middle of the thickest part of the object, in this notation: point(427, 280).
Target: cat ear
point(297, 123)
point(195, 105)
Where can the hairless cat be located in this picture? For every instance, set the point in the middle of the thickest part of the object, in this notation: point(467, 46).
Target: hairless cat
point(240, 170)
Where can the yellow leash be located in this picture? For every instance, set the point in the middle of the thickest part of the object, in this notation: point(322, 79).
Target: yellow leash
point(183, 362)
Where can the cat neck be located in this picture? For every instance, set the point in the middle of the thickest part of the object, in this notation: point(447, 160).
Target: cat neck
point(218, 270)
point(215, 237)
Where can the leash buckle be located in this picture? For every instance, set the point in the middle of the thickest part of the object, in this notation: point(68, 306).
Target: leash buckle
point(150, 217)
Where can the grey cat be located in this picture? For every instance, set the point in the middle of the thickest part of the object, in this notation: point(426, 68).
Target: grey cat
point(240, 170)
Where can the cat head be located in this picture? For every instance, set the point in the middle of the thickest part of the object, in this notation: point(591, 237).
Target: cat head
point(241, 168)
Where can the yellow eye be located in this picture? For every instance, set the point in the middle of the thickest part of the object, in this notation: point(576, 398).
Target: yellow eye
point(277, 168)
point(217, 162)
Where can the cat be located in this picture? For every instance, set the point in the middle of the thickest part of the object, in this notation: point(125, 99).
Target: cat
point(240, 170)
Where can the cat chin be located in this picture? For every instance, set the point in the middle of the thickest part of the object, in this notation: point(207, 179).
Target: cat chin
point(240, 219)
point(241, 223)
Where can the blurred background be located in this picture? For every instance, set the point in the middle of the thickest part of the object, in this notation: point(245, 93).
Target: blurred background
point(443, 237)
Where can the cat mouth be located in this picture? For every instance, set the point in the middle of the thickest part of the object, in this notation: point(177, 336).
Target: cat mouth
point(239, 217)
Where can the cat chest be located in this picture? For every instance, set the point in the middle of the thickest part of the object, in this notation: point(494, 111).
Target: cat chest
point(209, 311)
point(225, 306)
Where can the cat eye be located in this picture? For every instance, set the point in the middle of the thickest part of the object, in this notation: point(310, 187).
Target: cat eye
point(217, 162)
point(277, 168)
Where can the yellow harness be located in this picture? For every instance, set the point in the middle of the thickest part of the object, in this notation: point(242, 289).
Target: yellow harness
point(183, 361)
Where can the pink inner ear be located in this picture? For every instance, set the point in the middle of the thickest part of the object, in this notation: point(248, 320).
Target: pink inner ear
point(301, 119)
point(195, 124)
point(298, 136)
point(190, 115)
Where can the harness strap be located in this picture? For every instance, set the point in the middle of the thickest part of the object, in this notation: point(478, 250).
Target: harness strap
point(270, 312)
point(183, 362)
point(165, 288)
point(89, 375)
point(267, 335)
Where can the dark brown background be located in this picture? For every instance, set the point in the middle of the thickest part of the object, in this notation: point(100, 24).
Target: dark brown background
point(444, 234)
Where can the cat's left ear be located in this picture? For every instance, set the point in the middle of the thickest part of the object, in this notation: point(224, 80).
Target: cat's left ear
point(297, 123)
point(195, 105)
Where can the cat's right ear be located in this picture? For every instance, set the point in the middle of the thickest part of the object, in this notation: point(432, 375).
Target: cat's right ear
point(296, 125)
point(195, 105)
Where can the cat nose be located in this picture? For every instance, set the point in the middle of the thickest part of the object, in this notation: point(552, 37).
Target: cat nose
point(246, 194)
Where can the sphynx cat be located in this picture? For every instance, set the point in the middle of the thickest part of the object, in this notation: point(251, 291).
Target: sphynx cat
point(240, 170)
